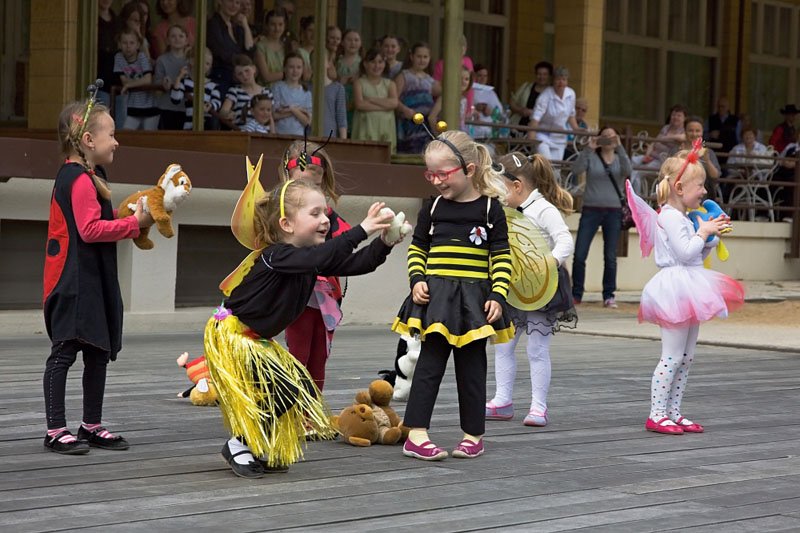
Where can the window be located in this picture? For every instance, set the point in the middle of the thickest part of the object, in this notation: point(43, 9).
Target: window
point(630, 79)
point(689, 82)
point(14, 49)
point(773, 79)
point(410, 28)
point(658, 53)
point(768, 92)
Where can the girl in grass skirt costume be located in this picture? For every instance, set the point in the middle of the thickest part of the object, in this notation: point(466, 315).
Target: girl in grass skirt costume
point(267, 397)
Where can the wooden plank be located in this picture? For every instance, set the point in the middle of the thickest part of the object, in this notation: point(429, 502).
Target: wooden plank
point(579, 472)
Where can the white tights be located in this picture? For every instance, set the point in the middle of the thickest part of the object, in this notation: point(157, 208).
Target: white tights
point(505, 369)
point(672, 373)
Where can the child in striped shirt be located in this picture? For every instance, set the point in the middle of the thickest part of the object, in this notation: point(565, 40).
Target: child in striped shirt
point(459, 267)
point(183, 91)
point(260, 111)
point(239, 96)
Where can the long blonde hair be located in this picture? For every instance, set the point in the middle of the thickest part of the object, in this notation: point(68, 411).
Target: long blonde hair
point(268, 209)
point(328, 177)
point(71, 128)
point(670, 170)
point(538, 173)
point(486, 180)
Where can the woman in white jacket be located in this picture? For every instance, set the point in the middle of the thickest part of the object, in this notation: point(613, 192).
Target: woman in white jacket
point(533, 190)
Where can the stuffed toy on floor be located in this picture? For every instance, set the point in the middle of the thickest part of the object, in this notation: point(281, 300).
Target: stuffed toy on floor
point(160, 201)
point(370, 420)
point(405, 361)
point(203, 391)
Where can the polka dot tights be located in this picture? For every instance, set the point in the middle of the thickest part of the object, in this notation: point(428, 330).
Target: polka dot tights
point(672, 372)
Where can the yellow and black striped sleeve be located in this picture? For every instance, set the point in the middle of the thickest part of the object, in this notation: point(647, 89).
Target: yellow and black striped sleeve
point(499, 253)
point(417, 258)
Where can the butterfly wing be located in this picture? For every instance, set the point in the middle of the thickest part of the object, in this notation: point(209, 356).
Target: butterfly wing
point(645, 218)
point(534, 270)
point(243, 218)
point(235, 278)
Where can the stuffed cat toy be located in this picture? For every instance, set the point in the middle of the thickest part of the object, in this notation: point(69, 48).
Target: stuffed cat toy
point(160, 201)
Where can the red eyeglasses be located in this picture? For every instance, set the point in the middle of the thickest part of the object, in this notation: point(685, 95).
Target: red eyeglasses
point(443, 175)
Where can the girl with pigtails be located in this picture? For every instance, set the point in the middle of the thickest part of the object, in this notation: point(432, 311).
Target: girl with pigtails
point(82, 299)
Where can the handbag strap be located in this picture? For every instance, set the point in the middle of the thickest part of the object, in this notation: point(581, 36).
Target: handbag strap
point(606, 166)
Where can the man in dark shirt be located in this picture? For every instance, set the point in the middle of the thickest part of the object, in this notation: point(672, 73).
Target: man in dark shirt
point(722, 127)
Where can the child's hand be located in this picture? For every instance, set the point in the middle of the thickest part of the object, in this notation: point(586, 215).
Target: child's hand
point(206, 106)
point(419, 294)
point(375, 221)
point(166, 83)
point(714, 226)
point(493, 310)
point(144, 218)
point(183, 73)
point(384, 238)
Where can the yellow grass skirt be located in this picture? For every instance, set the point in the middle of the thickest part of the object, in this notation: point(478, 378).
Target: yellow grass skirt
point(265, 394)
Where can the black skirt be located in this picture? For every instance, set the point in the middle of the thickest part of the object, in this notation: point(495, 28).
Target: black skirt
point(456, 311)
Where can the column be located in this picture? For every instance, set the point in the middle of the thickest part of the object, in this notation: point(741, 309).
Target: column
point(53, 60)
point(147, 277)
point(579, 47)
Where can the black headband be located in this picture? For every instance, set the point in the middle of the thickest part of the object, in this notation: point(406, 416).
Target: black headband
point(455, 151)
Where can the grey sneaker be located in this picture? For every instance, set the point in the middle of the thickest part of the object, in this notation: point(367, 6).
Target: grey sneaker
point(610, 303)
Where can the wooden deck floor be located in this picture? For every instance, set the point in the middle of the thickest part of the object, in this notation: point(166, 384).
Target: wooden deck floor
point(593, 468)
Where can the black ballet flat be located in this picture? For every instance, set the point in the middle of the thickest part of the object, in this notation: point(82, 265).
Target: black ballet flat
point(252, 470)
point(76, 447)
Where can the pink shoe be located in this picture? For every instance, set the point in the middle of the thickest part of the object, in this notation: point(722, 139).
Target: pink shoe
point(688, 426)
point(427, 451)
point(504, 412)
point(535, 419)
point(467, 449)
point(662, 427)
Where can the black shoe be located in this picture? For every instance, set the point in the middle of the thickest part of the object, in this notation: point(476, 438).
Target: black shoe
point(96, 441)
point(251, 470)
point(76, 447)
point(277, 469)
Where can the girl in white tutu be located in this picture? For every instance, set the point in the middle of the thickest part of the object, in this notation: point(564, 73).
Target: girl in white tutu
point(683, 293)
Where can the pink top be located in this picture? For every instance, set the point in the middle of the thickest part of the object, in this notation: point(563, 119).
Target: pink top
point(438, 73)
point(438, 68)
point(86, 210)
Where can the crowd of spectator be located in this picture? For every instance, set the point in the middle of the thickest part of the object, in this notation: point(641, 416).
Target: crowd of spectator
point(258, 79)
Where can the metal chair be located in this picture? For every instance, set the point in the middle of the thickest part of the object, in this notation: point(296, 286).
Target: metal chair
point(757, 191)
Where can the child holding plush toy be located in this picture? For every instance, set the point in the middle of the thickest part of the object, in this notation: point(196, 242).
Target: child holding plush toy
point(268, 399)
point(459, 266)
point(533, 189)
point(82, 300)
point(683, 293)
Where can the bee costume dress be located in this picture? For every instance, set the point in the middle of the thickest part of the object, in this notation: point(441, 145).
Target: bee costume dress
point(267, 398)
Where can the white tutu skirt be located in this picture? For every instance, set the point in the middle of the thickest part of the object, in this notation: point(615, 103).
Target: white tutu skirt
point(681, 296)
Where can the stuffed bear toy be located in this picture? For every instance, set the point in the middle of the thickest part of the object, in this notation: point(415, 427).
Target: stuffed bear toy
point(203, 391)
point(405, 361)
point(160, 201)
point(370, 420)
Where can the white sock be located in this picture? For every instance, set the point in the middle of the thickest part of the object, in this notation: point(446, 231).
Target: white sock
point(418, 436)
point(236, 447)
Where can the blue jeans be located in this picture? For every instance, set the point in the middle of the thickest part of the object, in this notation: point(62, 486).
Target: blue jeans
point(592, 218)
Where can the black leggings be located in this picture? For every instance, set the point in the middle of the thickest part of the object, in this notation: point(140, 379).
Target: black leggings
point(95, 363)
point(470, 365)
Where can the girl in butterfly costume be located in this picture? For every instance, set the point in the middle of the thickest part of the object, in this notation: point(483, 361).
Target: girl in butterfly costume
point(683, 293)
point(267, 398)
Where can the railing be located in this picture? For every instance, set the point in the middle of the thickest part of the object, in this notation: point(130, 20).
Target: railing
point(757, 178)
